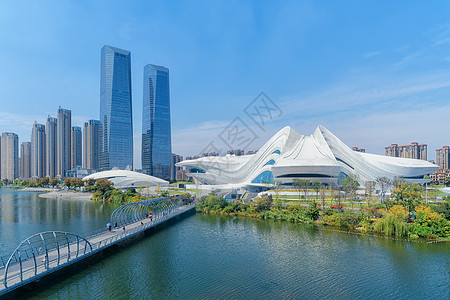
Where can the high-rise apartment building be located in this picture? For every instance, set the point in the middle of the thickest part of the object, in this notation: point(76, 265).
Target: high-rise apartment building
point(50, 145)
point(116, 121)
point(237, 152)
point(443, 157)
point(156, 129)
point(415, 151)
point(176, 173)
point(25, 160)
point(76, 154)
point(90, 144)
point(357, 149)
point(38, 151)
point(9, 156)
point(63, 141)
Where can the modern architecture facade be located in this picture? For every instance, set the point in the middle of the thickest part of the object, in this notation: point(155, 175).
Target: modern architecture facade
point(289, 155)
point(9, 156)
point(91, 145)
point(414, 151)
point(25, 160)
point(156, 128)
point(123, 179)
point(63, 141)
point(116, 122)
point(38, 151)
point(50, 147)
point(76, 153)
point(443, 157)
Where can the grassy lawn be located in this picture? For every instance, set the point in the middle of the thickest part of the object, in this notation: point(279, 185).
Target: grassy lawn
point(182, 191)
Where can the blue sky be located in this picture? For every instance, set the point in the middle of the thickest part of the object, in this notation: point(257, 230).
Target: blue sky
point(372, 72)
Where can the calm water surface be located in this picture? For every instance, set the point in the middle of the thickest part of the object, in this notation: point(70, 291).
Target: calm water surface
point(23, 214)
point(215, 257)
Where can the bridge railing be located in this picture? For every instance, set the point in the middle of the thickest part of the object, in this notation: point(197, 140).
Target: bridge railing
point(42, 250)
point(46, 250)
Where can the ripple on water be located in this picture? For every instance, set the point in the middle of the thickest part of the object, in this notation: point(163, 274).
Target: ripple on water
point(215, 257)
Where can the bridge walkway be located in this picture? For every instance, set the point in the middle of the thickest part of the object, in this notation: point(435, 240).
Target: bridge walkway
point(76, 251)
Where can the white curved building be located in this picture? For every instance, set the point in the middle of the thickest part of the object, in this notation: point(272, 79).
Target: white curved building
point(288, 155)
point(124, 179)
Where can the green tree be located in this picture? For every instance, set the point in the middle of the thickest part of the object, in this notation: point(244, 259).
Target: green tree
point(384, 183)
point(264, 203)
point(304, 185)
point(54, 182)
point(68, 182)
point(276, 187)
point(407, 195)
point(369, 188)
point(350, 186)
point(298, 186)
point(317, 186)
point(313, 211)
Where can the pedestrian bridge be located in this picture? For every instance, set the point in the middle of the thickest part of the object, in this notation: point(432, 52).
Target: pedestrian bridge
point(47, 252)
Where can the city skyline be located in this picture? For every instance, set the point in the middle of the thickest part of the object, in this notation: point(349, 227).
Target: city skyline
point(369, 81)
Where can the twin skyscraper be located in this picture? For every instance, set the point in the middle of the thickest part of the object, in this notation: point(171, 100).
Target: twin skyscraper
point(116, 115)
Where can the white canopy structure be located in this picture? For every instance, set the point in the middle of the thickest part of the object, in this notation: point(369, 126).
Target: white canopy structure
point(124, 179)
point(289, 155)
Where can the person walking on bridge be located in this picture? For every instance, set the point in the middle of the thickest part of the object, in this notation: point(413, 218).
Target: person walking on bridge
point(123, 227)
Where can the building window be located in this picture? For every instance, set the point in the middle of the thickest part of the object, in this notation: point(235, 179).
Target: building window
point(264, 177)
point(276, 152)
point(270, 162)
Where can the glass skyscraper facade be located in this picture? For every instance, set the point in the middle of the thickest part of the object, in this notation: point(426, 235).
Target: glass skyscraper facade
point(116, 121)
point(156, 129)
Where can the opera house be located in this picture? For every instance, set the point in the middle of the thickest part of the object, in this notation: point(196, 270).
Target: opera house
point(289, 155)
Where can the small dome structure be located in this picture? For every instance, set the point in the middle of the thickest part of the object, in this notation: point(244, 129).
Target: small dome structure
point(126, 179)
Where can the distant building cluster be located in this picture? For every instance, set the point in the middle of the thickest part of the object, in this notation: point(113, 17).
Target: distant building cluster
point(414, 151)
point(58, 149)
point(54, 150)
point(443, 157)
point(362, 150)
point(441, 177)
point(237, 152)
point(177, 173)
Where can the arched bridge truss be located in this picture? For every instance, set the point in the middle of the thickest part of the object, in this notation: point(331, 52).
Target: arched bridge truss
point(49, 250)
point(156, 209)
point(41, 252)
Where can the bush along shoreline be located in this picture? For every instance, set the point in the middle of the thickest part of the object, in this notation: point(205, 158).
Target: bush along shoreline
point(395, 218)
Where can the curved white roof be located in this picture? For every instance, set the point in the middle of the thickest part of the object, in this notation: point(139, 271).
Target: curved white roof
point(125, 178)
point(288, 155)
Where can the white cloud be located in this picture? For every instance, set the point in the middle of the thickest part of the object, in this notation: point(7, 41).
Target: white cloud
point(371, 54)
